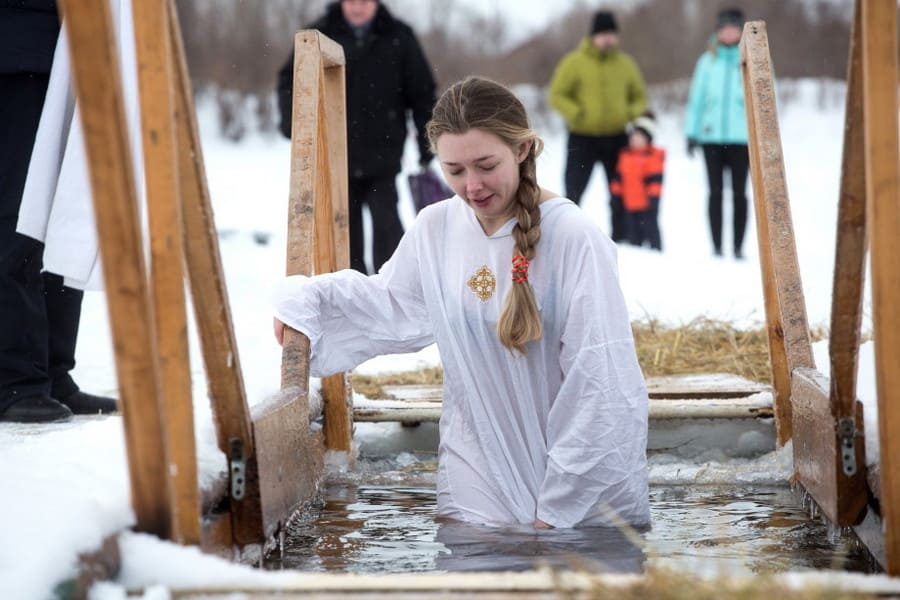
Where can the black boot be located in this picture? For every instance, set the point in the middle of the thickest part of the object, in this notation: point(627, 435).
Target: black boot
point(88, 404)
point(36, 409)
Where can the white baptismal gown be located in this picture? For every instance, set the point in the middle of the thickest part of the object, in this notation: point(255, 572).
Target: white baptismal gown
point(558, 435)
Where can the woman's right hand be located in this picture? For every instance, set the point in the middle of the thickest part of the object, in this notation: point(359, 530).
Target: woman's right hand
point(279, 331)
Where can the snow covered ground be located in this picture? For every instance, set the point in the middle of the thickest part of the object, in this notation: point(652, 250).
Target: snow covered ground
point(67, 485)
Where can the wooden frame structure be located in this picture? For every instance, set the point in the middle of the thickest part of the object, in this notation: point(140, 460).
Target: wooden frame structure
point(274, 461)
point(824, 418)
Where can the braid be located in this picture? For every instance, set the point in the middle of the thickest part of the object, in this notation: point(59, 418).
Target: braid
point(520, 320)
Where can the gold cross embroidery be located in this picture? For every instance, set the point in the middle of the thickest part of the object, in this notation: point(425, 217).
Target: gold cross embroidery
point(483, 283)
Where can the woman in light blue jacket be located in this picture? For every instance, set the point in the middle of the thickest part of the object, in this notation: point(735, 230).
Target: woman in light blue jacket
point(716, 121)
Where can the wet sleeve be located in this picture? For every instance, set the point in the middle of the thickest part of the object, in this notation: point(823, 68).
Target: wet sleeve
point(350, 318)
point(597, 424)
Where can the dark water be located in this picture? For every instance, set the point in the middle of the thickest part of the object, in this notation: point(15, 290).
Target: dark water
point(366, 528)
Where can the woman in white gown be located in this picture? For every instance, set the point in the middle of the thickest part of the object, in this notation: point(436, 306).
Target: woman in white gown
point(544, 416)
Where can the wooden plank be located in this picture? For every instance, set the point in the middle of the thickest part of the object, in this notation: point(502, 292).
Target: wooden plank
point(318, 213)
point(337, 394)
point(336, 127)
point(879, 35)
point(711, 385)
point(850, 255)
point(206, 276)
point(231, 414)
point(789, 344)
point(98, 85)
point(676, 387)
point(155, 80)
point(817, 451)
point(288, 464)
point(331, 52)
point(724, 408)
point(332, 228)
point(301, 207)
point(527, 581)
point(821, 408)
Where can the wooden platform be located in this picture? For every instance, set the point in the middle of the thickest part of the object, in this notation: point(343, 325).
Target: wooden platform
point(714, 396)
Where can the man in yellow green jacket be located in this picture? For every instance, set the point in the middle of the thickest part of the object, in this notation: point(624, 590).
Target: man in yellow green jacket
point(598, 89)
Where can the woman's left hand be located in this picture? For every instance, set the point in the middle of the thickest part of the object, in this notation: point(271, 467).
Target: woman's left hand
point(538, 524)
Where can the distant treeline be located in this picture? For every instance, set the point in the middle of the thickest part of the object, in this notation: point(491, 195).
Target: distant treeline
point(235, 47)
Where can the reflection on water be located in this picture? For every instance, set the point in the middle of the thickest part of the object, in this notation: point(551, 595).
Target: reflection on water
point(384, 522)
point(732, 530)
point(381, 529)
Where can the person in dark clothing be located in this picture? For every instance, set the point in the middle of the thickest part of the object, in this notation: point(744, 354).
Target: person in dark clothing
point(598, 89)
point(386, 76)
point(38, 314)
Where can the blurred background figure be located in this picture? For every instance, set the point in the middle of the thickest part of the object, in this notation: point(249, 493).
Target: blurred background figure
point(39, 314)
point(598, 89)
point(387, 76)
point(637, 184)
point(716, 121)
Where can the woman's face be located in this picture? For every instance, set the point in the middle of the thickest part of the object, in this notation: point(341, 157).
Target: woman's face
point(484, 172)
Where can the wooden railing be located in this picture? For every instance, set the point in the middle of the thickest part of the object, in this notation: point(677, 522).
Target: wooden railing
point(824, 418)
point(274, 461)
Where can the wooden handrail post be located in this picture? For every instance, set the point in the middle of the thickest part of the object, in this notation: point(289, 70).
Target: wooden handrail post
point(206, 275)
point(153, 42)
point(879, 59)
point(317, 232)
point(98, 84)
point(852, 240)
point(789, 345)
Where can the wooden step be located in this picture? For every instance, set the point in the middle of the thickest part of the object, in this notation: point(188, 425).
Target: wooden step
point(716, 396)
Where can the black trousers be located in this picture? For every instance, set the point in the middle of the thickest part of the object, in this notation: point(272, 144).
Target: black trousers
point(38, 314)
point(736, 159)
point(583, 152)
point(380, 195)
point(643, 226)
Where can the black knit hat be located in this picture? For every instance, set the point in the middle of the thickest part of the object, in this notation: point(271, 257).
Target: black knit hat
point(604, 22)
point(730, 16)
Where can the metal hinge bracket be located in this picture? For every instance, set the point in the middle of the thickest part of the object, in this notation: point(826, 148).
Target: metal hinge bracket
point(238, 470)
point(847, 437)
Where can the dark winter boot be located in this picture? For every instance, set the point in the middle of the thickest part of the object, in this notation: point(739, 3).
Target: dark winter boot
point(88, 404)
point(36, 409)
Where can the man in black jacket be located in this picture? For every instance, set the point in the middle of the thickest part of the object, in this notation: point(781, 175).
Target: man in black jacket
point(387, 75)
point(38, 314)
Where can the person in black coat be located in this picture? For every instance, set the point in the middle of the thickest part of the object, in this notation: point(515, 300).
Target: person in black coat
point(387, 76)
point(38, 314)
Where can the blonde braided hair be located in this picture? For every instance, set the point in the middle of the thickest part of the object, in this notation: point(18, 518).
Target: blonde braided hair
point(479, 103)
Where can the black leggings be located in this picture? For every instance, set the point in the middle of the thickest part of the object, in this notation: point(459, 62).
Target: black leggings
point(736, 159)
point(380, 194)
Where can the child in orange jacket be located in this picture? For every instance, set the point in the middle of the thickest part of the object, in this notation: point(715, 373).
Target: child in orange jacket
point(637, 183)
